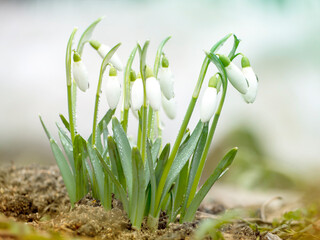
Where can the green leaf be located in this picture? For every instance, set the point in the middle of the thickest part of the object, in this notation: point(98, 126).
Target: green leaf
point(152, 177)
point(106, 168)
point(124, 150)
point(158, 56)
point(115, 161)
point(182, 157)
point(97, 171)
point(162, 161)
point(155, 150)
point(107, 59)
point(45, 128)
point(66, 173)
point(86, 36)
point(217, 173)
point(65, 122)
point(195, 171)
point(139, 188)
point(67, 146)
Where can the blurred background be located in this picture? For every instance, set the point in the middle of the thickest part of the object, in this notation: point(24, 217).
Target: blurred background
point(277, 134)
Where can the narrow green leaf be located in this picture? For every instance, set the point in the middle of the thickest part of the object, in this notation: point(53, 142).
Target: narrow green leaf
point(45, 128)
point(115, 161)
point(66, 173)
point(65, 122)
point(103, 123)
point(139, 188)
point(97, 171)
point(124, 150)
point(195, 170)
point(152, 178)
point(217, 173)
point(155, 150)
point(162, 161)
point(86, 36)
point(182, 157)
point(67, 146)
point(106, 168)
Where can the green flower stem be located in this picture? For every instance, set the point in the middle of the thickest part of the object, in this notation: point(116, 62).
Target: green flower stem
point(159, 126)
point(69, 85)
point(207, 147)
point(144, 123)
point(150, 119)
point(103, 67)
point(186, 120)
point(126, 92)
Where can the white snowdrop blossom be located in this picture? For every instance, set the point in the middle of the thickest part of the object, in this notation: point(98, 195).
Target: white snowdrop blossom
point(153, 93)
point(169, 106)
point(208, 104)
point(235, 75)
point(80, 73)
point(103, 50)
point(137, 94)
point(166, 82)
point(113, 91)
point(248, 72)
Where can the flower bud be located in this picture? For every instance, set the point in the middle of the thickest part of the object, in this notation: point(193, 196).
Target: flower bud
point(103, 51)
point(208, 104)
point(80, 73)
point(234, 74)
point(137, 94)
point(169, 106)
point(248, 72)
point(153, 93)
point(166, 82)
point(113, 89)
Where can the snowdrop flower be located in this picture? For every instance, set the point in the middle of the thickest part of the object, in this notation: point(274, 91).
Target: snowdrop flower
point(113, 89)
point(169, 106)
point(80, 73)
point(103, 50)
point(209, 100)
point(234, 74)
point(137, 94)
point(166, 79)
point(248, 72)
point(153, 90)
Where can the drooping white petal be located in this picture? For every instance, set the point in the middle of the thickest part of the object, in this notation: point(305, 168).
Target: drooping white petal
point(251, 94)
point(81, 75)
point(208, 104)
point(115, 60)
point(113, 91)
point(169, 106)
point(236, 78)
point(137, 94)
point(153, 93)
point(166, 82)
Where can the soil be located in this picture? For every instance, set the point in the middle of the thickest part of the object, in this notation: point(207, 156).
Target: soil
point(37, 196)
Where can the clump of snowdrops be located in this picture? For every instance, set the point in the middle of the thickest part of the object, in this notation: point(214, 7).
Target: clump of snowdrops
point(147, 176)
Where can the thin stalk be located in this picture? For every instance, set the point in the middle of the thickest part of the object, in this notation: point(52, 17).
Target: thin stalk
point(70, 112)
point(159, 125)
point(144, 123)
point(207, 147)
point(150, 118)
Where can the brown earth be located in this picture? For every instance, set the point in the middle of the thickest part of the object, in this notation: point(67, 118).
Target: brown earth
point(37, 196)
